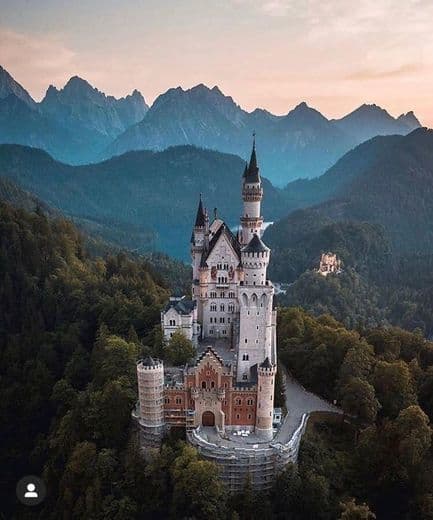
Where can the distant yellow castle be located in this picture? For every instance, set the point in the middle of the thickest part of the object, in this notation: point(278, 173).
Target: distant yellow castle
point(329, 263)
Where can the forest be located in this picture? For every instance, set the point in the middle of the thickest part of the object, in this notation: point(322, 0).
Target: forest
point(71, 329)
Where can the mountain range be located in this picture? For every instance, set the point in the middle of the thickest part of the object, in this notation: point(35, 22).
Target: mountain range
point(303, 143)
point(79, 124)
point(73, 124)
point(386, 182)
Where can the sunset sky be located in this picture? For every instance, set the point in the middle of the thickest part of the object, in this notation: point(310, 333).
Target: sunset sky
point(333, 54)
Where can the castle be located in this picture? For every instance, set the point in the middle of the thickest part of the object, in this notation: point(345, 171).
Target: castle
point(329, 263)
point(231, 320)
point(225, 397)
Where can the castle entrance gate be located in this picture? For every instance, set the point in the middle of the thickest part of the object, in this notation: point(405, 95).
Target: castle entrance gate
point(208, 419)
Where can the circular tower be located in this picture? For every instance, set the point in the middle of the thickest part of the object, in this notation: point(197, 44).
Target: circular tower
point(255, 260)
point(265, 399)
point(252, 194)
point(150, 375)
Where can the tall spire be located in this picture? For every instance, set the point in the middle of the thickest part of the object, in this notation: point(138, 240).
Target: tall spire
point(200, 219)
point(245, 170)
point(251, 173)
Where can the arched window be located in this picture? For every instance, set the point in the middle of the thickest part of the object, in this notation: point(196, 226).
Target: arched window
point(203, 384)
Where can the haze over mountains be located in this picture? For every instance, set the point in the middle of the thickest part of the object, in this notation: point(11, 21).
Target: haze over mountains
point(140, 200)
point(387, 182)
point(73, 124)
point(79, 124)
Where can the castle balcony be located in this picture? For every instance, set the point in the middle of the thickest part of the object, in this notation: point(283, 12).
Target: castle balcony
point(197, 392)
point(222, 285)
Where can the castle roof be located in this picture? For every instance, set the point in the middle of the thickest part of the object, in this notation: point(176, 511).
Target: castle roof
point(200, 219)
point(251, 174)
point(266, 364)
point(149, 361)
point(211, 351)
point(255, 245)
point(181, 305)
point(223, 229)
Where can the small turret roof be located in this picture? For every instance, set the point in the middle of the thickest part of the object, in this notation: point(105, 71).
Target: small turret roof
point(255, 245)
point(251, 174)
point(266, 364)
point(200, 219)
point(150, 362)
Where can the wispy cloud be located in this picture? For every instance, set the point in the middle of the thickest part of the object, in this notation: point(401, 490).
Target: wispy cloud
point(41, 59)
point(370, 74)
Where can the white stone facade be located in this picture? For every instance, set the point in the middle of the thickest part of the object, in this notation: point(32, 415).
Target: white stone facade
point(234, 297)
point(180, 314)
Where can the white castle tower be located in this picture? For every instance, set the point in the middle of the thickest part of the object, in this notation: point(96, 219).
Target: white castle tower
point(256, 323)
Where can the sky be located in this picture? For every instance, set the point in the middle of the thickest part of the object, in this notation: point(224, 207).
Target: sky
point(272, 54)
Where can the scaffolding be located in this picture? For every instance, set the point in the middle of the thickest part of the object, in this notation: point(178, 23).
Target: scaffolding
point(260, 463)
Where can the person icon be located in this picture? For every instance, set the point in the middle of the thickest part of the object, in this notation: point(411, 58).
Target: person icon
point(31, 491)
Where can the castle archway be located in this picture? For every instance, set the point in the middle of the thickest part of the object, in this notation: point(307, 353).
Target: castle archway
point(208, 419)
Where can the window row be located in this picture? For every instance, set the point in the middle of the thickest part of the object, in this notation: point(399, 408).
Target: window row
point(214, 294)
point(239, 400)
point(177, 400)
point(221, 320)
point(238, 416)
point(223, 266)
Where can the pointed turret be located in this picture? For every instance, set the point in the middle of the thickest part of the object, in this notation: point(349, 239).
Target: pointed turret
point(199, 238)
point(200, 219)
point(251, 173)
point(252, 193)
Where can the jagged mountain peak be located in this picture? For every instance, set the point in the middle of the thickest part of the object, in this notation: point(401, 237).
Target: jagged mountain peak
point(9, 86)
point(369, 109)
point(77, 81)
point(304, 112)
point(410, 120)
point(79, 105)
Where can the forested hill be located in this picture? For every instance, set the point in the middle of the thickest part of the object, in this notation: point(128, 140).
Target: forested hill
point(140, 200)
point(378, 220)
point(71, 329)
point(53, 301)
point(387, 181)
point(19, 198)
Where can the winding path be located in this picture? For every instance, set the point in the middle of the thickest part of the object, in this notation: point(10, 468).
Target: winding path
point(299, 402)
